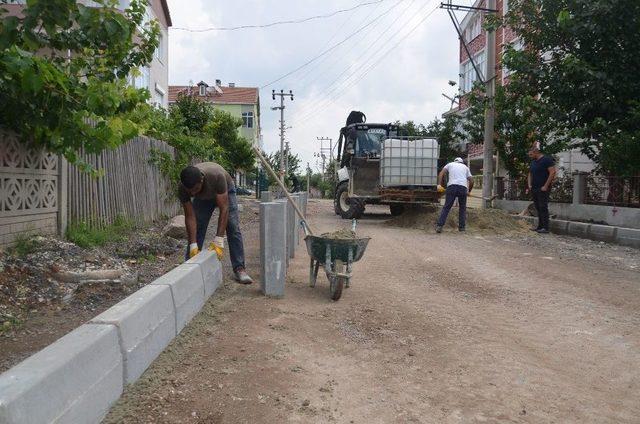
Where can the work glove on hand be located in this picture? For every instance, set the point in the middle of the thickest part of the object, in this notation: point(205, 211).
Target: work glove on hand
point(193, 250)
point(217, 246)
point(441, 189)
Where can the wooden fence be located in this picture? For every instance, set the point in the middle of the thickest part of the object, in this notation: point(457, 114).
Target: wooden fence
point(40, 193)
point(130, 187)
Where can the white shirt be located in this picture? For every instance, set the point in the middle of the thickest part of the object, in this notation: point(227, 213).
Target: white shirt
point(458, 174)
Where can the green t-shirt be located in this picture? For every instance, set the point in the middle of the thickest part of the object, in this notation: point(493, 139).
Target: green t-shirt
point(216, 181)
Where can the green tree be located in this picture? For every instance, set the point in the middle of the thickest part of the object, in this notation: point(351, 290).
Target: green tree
point(64, 69)
point(237, 153)
point(575, 84)
point(292, 168)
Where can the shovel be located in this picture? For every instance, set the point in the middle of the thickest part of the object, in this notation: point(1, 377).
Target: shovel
point(282, 186)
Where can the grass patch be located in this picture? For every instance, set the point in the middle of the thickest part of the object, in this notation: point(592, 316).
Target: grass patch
point(24, 244)
point(87, 235)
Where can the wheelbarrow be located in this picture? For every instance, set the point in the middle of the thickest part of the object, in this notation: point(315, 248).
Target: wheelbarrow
point(336, 256)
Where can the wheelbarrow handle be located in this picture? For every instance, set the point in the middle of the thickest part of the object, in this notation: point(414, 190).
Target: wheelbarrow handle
point(305, 228)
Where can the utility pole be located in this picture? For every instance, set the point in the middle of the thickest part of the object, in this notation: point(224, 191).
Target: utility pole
point(308, 178)
point(282, 95)
point(489, 118)
point(490, 88)
point(323, 149)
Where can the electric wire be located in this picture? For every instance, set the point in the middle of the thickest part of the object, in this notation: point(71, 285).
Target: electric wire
point(277, 23)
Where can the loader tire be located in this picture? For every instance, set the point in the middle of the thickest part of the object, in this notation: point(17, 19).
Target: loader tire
point(345, 206)
point(396, 209)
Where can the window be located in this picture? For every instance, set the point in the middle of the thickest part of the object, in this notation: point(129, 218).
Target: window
point(517, 46)
point(203, 89)
point(474, 29)
point(142, 80)
point(247, 119)
point(159, 53)
point(468, 74)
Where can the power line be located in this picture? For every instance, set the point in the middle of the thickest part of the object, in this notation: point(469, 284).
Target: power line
point(311, 70)
point(332, 47)
point(348, 82)
point(371, 67)
point(371, 48)
point(272, 24)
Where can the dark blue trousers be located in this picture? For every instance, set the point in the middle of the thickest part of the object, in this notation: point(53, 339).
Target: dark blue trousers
point(204, 209)
point(455, 192)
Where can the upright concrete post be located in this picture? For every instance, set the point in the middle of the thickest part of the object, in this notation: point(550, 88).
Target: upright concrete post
point(273, 252)
point(266, 196)
point(292, 232)
point(287, 231)
point(579, 187)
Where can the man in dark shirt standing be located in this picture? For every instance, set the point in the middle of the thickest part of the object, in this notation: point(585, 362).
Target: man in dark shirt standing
point(211, 186)
point(542, 172)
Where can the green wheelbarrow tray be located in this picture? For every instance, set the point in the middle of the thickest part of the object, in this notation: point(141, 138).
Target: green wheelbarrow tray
point(339, 248)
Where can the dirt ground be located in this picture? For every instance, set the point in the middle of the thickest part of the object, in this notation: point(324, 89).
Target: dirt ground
point(37, 310)
point(436, 328)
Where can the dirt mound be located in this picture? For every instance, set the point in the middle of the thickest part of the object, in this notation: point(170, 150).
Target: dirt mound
point(343, 234)
point(478, 220)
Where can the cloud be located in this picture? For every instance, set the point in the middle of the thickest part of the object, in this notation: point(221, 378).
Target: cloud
point(406, 84)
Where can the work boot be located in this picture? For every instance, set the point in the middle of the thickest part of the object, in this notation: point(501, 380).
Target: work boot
point(242, 277)
point(534, 229)
point(462, 229)
point(543, 231)
point(438, 229)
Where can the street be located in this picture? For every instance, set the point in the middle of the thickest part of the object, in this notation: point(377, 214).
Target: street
point(436, 328)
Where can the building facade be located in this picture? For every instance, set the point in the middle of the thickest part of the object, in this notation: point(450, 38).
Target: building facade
point(155, 76)
point(476, 39)
point(241, 102)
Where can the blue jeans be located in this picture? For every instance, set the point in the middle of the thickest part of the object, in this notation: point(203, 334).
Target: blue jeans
point(454, 192)
point(204, 209)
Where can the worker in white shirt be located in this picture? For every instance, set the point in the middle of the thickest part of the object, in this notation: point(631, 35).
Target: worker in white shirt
point(458, 187)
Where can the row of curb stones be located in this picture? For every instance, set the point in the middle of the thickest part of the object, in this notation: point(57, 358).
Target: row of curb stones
point(610, 234)
point(77, 378)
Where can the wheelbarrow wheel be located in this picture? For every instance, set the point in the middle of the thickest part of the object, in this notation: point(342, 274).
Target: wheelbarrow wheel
point(337, 283)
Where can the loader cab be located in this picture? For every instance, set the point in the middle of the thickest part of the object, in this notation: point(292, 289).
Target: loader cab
point(363, 141)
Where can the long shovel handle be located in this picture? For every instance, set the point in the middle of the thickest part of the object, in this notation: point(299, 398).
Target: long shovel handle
point(282, 186)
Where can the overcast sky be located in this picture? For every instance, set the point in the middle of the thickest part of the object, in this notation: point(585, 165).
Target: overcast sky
point(406, 83)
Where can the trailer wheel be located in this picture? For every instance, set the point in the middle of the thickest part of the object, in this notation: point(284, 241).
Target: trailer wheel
point(396, 209)
point(345, 206)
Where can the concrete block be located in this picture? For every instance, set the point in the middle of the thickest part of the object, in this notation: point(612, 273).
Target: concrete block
point(602, 232)
point(559, 226)
point(292, 230)
point(146, 324)
point(273, 251)
point(74, 380)
point(287, 206)
point(266, 196)
point(628, 237)
point(211, 269)
point(187, 289)
point(578, 229)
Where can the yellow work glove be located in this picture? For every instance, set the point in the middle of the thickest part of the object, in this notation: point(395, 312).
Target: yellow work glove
point(217, 246)
point(441, 189)
point(193, 250)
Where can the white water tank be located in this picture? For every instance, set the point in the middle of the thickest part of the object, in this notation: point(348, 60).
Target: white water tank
point(406, 162)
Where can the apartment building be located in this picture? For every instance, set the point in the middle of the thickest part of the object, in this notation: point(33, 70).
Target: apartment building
point(476, 39)
point(241, 102)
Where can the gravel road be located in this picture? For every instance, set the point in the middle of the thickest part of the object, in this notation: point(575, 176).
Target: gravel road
point(435, 328)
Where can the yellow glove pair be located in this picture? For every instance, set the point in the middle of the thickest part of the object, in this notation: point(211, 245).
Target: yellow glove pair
point(217, 246)
point(441, 189)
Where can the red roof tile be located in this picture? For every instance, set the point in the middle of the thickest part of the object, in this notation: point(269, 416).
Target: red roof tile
point(229, 95)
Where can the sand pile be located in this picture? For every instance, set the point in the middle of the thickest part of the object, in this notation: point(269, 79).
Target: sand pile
point(343, 234)
point(478, 220)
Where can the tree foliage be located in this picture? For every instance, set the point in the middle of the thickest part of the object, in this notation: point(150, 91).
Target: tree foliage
point(198, 133)
point(575, 84)
point(293, 165)
point(64, 69)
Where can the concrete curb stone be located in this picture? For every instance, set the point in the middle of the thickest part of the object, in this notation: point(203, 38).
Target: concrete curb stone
point(578, 229)
point(146, 325)
point(628, 237)
point(75, 379)
point(187, 290)
point(602, 233)
point(211, 270)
